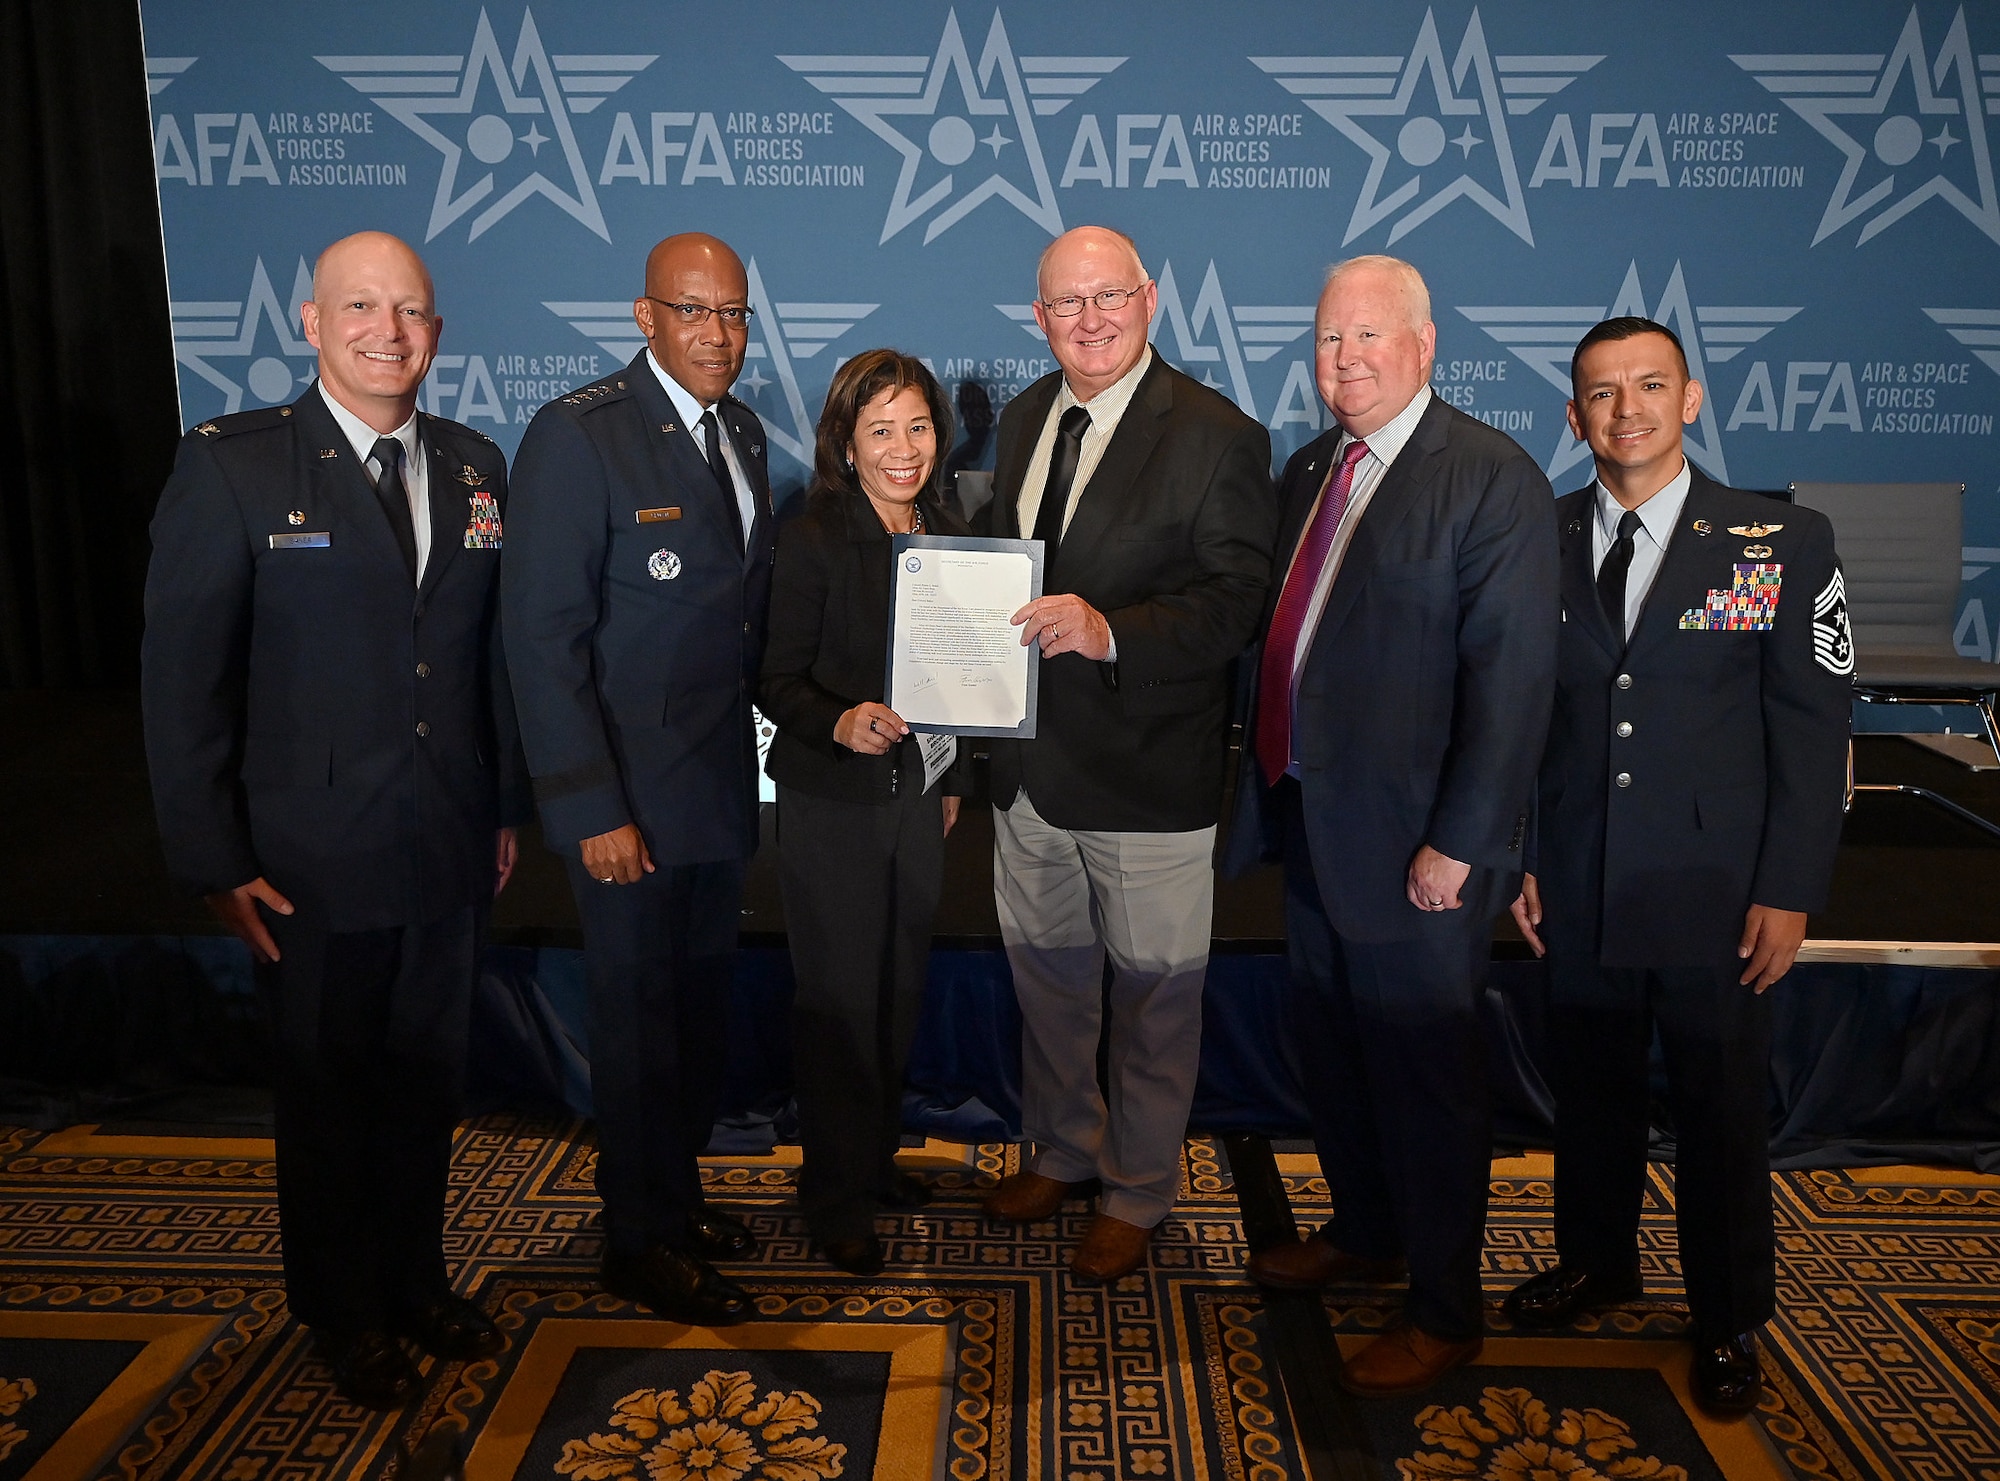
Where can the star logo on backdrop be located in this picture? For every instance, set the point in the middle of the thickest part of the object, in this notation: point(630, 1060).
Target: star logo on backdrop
point(502, 117)
point(1543, 336)
point(966, 134)
point(1413, 173)
point(1208, 339)
point(161, 72)
point(257, 334)
point(781, 335)
point(1912, 128)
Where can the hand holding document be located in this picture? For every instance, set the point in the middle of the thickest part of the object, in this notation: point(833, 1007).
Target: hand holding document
point(956, 663)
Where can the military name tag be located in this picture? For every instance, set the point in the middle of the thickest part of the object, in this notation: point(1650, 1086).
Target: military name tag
point(655, 516)
point(316, 540)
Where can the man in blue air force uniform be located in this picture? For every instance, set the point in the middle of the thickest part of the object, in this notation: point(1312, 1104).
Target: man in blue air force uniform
point(335, 767)
point(637, 576)
point(1688, 811)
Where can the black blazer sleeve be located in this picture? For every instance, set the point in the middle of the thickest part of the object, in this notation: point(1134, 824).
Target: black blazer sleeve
point(1205, 624)
point(1807, 712)
point(1509, 611)
point(787, 693)
point(194, 664)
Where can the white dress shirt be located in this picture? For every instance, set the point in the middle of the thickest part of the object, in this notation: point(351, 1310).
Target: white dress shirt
point(416, 470)
point(1107, 409)
point(691, 409)
point(1657, 518)
point(1385, 443)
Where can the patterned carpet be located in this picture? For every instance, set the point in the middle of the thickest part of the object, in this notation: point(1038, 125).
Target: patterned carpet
point(144, 1334)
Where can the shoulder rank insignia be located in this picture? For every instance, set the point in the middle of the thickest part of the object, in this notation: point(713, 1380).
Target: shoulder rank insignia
point(470, 476)
point(208, 429)
point(588, 394)
point(1749, 605)
point(1755, 532)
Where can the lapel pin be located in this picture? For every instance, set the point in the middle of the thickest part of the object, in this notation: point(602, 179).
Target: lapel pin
point(296, 517)
point(329, 452)
point(756, 449)
point(208, 429)
point(666, 426)
point(1703, 527)
point(1755, 532)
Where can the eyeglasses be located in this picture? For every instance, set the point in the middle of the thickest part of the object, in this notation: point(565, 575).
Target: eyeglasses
point(1110, 300)
point(694, 315)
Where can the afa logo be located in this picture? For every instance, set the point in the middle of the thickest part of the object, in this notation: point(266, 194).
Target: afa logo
point(966, 132)
point(1977, 329)
point(781, 335)
point(1911, 126)
point(1434, 132)
point(1543, 335)
point(502, 117)
point(247, 349)
point(1218, 345)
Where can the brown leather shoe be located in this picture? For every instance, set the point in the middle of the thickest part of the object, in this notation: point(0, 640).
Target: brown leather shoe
point(1023, 1197)
point(1307, 1264)
point(1404, 1360)
point(1111, 1248)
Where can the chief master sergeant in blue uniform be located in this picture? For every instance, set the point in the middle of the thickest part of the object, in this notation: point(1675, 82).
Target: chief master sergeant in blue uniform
point(637, 575)
point(1688, 811)
point(333, 755)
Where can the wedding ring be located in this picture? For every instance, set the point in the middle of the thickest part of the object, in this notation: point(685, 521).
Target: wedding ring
point(604, 879)
point(1434, 904)
point(1055, 632)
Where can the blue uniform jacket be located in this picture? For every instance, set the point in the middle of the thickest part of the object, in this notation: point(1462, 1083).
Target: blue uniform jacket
point(309, 716)
point(636, 621)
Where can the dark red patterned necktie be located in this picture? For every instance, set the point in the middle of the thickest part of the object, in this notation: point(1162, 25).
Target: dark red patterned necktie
point(1274, 673)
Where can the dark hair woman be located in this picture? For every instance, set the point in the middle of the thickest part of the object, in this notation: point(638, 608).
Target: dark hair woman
point(861, 838)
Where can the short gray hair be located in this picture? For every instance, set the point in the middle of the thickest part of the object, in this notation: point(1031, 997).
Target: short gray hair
point(1415, 292)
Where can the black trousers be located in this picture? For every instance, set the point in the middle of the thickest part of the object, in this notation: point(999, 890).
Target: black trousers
point(1394, 1072)
point(659, 958)
point(370, 1031)
point(1717, 1039)
point(861, 884)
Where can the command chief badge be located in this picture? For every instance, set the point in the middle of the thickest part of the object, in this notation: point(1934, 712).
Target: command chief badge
point(1833, 637)
point(1750, 604)
point(482, 531)
point(663, 565)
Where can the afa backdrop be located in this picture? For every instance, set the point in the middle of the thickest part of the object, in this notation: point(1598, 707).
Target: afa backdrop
point(1805, 191)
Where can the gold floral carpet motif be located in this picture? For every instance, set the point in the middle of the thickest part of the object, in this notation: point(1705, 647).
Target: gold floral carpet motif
point(144, 1335)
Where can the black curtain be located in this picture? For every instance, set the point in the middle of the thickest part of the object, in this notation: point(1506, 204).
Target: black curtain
point(88, 410)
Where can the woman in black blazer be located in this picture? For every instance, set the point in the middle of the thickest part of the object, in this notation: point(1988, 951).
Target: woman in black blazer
point(861, 838)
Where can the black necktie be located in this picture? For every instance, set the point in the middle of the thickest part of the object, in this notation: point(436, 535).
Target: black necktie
point(1611, 575)
point(711, 434)
point(1062, 473)
point(388, 452)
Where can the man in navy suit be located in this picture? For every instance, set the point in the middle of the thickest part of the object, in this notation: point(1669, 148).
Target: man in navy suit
point(635, 589)
point(1688, 814)
point(335, 767)
point(1402, 696)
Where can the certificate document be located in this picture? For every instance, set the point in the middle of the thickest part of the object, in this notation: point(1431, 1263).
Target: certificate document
point(956, 664)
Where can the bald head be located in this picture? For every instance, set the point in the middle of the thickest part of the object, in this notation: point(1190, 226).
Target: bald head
point(368, 251)
point(373, 319)
point(684, 275)
point(691, 251)
point(1095, 346)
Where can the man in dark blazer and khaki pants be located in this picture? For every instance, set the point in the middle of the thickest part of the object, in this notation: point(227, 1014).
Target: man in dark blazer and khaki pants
point(335, 767)
point(1689, 811)
point(1153, 496)
point(1402, 696)
point(634, 593)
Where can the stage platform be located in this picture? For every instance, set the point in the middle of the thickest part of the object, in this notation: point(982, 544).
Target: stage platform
point(79, 856)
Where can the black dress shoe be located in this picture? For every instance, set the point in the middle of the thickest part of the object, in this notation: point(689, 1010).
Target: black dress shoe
point(677, 1285)
point(716, 1234)
point(1555, 1297)
point(860, 1254)
point(1726, 1378)
point(370, 1367)
point(451, 1327)
point(906, 1191)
